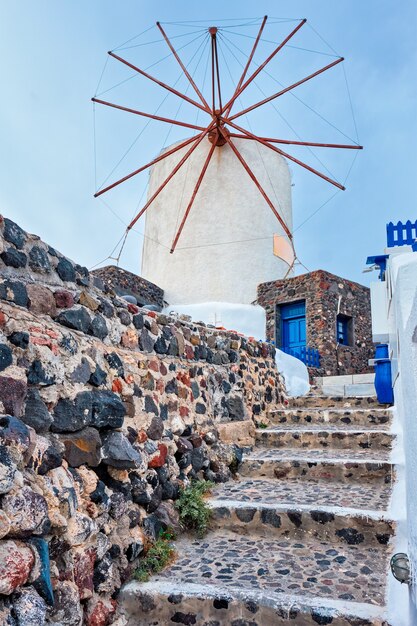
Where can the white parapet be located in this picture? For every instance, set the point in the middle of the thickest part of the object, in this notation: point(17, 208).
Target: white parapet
point(226, 247)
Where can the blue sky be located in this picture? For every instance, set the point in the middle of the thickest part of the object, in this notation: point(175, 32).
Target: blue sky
point(52, 53)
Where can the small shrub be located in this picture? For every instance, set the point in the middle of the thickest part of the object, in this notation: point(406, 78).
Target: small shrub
point(193, 510)
point(262, 425)
point(159, 555)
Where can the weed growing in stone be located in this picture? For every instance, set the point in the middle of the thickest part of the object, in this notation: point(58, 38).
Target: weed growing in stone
point(159, 555)
point(262, 425)
point(193, 510)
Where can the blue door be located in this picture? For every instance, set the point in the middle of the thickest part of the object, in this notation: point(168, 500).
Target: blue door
point(293, 327)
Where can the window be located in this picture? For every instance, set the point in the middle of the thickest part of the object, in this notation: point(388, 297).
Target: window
point(344, 331)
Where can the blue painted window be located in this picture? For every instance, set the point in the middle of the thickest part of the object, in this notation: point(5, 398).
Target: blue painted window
point(344, 330)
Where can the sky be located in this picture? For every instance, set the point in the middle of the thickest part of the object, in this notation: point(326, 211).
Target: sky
point(54, 151)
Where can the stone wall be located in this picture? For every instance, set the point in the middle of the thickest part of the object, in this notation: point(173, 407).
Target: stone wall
point(321, 292)
point(106, 410)
point(122, 282)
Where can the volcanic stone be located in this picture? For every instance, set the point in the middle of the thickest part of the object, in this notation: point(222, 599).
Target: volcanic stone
point(98, 377)
point(124, 317)
point(6, 357)
point(118, 451)
point(19, 339)
point(65, 270)
point(81, 373)
point(38, 260)
point(236, 408)
point(150, 406)
point(16, 562)
point(161, 346)
point(27, 512)
point(13, 233)
point(7, 470)
point(29, 608)
point(82, 447)
point(156, 428)
point(76, 318)
point(108, 410)
point(72, 415)
point(183, 445)
point(36, 413)
point(98, 327)
point(138, 321)
point(14, 291)
point(64, 299)
point(14, 258)
point(115, 363)
point(12, 394)
point(43, 584)
point(146, 343)
point(38, 376)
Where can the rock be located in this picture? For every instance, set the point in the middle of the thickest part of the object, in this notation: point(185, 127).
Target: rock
point(14, 258)
point(14, 291)
point(146, 343)
point(99, 611)
point(7, 470)
point(65, 270)
point(14, 434)
point(29, 608)
point(138, 321)
point(200, 408)
point(81, 528)
point(177, 425)
point(83, 571)
point(115, 363)
point(39, 260)
point(14, 234)
point(67, 609)
point(169, 517)
point(161, 346)
point(81, 373)
point(71, 415)
point(196, 440)
point(19, 339)
point(98, 327)
point(98, 377)
point(236, 408)
point(108, 411)
point(87, 300)
point(199, 459)
point(47, 458)
point(16, 562)
point(75, 318)
point(118, 452)
point(150, 406)
point(124, 317)
point(82, 447)
point(106, 308)
point(41, 300)
point(183, 445)
point(6, 356)
point(6, 616)
point(27, 512)
point(42, 583)
point(4, 522)
point(64, 299)
point(37, 375)
point(156, 428)
point(159, 459)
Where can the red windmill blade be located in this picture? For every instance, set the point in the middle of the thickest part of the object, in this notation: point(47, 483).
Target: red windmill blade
point(220, 129)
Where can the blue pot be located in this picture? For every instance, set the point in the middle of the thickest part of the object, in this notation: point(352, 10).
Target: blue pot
point(381, 351)
point(383, 381)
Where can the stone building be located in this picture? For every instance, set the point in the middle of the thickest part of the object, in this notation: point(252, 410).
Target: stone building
point(324, 313)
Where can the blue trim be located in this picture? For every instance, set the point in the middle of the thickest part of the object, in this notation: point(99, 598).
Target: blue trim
point(309, 356)
point(400, 234)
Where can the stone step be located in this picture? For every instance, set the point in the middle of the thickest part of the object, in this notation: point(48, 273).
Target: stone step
point(374, 496)
point(163, 602)
point(312, 400)
point(321, 464)
point(326, 438)
point(324, 523)
point(375, 417)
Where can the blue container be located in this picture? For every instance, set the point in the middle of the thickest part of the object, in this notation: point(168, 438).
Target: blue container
point(383, 381)
point(381, 351)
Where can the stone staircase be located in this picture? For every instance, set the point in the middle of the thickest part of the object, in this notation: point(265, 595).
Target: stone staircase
point(302, 538)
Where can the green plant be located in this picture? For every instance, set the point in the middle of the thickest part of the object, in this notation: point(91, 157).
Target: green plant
point(262, 425)
point(193, 510)
point(158, 556)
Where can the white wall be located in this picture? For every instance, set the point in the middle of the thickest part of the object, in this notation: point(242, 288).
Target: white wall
point(228, 210)
point(400, 310)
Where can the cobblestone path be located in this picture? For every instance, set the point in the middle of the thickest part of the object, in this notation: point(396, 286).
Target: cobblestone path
point(302, 538)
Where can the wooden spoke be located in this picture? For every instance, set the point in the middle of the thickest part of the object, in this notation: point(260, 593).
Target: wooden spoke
point(290, 142)
point(159, 82)
point(288, 156)
point(190, 204)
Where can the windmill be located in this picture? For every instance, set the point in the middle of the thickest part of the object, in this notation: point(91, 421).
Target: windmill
point(224, 178)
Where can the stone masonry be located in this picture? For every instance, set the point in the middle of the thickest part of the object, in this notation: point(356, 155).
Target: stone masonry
point(106, 410)
point(123, 283)
point(325, 295)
